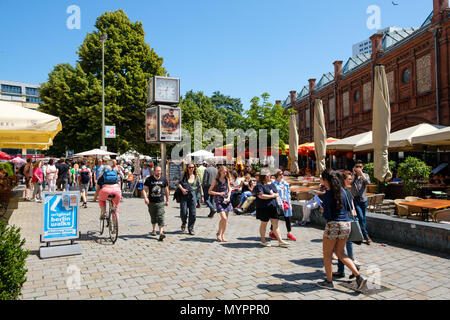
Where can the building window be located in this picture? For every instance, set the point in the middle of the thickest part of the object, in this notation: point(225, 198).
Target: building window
point(11, 89)
point(308, 118)
point(33, 100)
point(356, 96)
point(346, 103)
point(406, 76)
point(390, 80)
point(332, 109)
point(423, 70)
point(11, 97)
point(31, 91)
point(367, 96)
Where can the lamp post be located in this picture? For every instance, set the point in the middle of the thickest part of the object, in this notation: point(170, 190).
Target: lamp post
point(103, 38)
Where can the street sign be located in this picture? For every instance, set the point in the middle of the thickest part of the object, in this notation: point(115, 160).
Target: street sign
point(60, 216)
point(110, 132)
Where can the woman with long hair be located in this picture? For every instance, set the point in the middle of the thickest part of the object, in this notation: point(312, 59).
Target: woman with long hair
point(266, 207)
point(336, 210)
point(347, 179)
point(221, 190)
point(190, 187)
point(37, 180)
point(285, 195)
point(51, 175)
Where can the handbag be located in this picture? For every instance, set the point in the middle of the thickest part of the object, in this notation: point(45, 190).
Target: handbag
point(355, 233)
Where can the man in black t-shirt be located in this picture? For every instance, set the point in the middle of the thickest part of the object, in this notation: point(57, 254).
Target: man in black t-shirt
point(63, 175)
point(155, 187)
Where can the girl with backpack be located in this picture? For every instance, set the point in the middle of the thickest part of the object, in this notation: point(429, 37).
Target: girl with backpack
point(109, 184)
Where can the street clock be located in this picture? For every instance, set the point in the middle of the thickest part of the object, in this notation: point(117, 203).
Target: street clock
point(163, 90)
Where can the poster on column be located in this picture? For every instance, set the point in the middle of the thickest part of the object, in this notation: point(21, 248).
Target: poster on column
point(60, 216)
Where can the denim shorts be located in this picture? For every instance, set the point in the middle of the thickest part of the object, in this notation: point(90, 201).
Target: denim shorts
point(337, 230)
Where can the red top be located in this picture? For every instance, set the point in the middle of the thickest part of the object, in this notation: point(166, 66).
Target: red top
point(37, 172)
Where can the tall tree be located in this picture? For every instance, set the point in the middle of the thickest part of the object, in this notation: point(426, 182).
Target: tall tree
point(129, 63)
point(231, 109)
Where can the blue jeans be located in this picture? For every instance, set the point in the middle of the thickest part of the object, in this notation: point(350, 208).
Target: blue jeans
point(349, 253)
point(361, 207)
point(245, 195)
point(188, 204)
point(209, 199)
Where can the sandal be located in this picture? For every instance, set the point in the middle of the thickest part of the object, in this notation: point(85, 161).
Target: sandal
point(154, 233)
point(218, 237)
point(183, 227)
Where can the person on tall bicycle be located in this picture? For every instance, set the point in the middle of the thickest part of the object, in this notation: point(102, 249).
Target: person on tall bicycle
point(108, 182)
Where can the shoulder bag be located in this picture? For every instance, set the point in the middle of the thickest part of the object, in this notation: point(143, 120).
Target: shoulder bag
point(355, 233)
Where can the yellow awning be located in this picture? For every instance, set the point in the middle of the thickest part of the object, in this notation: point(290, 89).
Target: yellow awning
point(24, 128)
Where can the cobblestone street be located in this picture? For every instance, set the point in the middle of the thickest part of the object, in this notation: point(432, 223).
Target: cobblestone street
point(198, 267)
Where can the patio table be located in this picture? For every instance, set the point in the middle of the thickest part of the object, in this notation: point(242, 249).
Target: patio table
point(430, 206)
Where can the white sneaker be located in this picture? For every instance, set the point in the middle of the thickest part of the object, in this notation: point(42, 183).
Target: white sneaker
point(266, 244)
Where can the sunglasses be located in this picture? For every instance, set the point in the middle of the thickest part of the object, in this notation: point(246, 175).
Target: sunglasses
point(358, 166)
point(190, 167)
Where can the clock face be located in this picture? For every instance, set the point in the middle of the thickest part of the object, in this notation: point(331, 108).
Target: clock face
point(167, 90)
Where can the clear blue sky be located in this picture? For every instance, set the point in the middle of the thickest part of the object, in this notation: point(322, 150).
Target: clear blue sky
point(240, 48)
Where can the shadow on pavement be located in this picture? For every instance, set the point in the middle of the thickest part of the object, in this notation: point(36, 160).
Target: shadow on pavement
point(197, 239)
point(317, 240)
point(96, 237)
point(309, 262)
point(242, 245)
point(318, 274)
point(250, 239)
point(303, 288)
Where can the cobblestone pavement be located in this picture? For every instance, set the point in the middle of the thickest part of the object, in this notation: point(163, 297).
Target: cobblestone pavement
point(198, 267)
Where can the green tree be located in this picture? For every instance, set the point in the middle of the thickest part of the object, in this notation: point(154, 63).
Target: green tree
point(231, 109)
point(413, 172)
point(74, 93)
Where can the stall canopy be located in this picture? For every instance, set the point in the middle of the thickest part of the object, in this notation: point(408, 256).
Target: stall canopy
point(95, 152)
point(403, 139)
point(201, 154)
point(347, 144)
point(4, 156)
point(439, 137)
point(24, 128)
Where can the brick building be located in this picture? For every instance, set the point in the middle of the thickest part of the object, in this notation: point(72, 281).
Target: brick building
point(417, 69)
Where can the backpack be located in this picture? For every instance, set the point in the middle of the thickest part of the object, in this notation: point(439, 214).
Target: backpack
point(110, 177)
point(84, 176)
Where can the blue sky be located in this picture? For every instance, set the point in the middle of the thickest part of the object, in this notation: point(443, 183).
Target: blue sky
point(240, 48)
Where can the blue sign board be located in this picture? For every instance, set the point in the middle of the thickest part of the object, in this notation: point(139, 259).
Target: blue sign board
point(60, 216)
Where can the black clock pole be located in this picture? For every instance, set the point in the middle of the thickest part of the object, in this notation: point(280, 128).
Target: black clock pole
point(164, 159)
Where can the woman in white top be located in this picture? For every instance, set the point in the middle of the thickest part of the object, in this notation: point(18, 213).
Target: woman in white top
point(51, 175)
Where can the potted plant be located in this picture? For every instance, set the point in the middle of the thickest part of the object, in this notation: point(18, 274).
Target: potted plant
point(413, 172)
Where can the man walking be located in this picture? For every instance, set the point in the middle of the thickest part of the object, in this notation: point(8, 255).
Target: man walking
point(201, 167)
point(97, 172)
point(28, 173)
point(62, 180)
point(360, 181)
point(155, 187)
point(84, 179)
point(208, 178)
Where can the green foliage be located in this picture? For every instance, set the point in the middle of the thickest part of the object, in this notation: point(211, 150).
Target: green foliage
point(75, 93)
point(8, 167)
point(369, 169)
point(231, 109)
point(12, 262)
point(414, 172)
point(265, 115)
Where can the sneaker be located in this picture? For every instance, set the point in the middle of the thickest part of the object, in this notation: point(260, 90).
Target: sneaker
point(357, 268)
point(361, 282)
point(338, 275)
point(272, 235)
point(238, 211)
point(161, 237)
point(192, 233)
point(154, 233)
point(325, 284)
point(291, 237)
point(266, 244)
point(368, 240)
point(283, 244)
point(183, 227)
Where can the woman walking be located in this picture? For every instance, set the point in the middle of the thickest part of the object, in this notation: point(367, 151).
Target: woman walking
point(336, 210)
point(37, 180)
point(52, 175)
point(221, 190)
point(285, 195)
point(347, 179)
point(190, 187)
point(266, 207)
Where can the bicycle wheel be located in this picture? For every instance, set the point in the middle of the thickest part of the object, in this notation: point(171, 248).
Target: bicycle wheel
point(113, 225)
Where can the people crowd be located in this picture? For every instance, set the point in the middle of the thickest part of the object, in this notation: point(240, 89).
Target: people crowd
point(223, 189)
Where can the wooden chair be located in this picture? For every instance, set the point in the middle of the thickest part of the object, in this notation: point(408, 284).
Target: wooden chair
point(414, 212)
point(402, 210)
point(442, 215)
point(377, 203)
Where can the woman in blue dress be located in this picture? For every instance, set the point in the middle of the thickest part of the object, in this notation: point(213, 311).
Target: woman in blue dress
point(285, 195)
point(221, 190)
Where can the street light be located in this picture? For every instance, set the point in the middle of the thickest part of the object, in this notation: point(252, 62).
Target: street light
point(103, 38)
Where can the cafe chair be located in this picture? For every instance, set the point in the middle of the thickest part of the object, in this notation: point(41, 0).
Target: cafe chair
point(402, 210)
point(414, 212)
point(376, 204)
point(442, 216)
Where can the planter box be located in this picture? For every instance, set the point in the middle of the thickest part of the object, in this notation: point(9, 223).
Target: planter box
point(371, 188)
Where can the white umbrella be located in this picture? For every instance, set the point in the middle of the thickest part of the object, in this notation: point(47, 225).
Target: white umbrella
point(18, 160)
point(320, 136)
point(347, 144)
point(439, 137)
point(201, 154)
point(95, 152)
point(293, 143)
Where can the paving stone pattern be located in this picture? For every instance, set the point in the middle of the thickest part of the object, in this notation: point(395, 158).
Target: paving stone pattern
point(195, 267)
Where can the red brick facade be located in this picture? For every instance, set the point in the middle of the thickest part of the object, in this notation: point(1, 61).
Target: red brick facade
point(413, 100)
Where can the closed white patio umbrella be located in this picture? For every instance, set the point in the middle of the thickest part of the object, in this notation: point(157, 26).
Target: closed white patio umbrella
point(320, 136)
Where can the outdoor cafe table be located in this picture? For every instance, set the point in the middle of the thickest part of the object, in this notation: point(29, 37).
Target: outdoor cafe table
point(431, 205)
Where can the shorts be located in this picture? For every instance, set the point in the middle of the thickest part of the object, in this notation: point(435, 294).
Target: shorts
point(156, 211)
point(84, 187)
point(265, 214)
point(337, 230)
point(28, 183)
